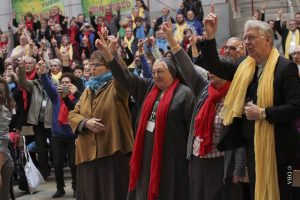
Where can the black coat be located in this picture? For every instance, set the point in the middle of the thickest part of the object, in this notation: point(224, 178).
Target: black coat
point(286, 107)
point(283, 114)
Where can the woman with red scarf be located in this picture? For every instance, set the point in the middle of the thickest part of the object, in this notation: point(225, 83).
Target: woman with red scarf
point(158, 167)
point(213, 174)
point(63, 138)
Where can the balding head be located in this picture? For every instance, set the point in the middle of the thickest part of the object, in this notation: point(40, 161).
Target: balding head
point(234, 48)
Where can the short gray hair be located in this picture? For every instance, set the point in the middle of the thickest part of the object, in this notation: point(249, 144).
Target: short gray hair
point(263, 27)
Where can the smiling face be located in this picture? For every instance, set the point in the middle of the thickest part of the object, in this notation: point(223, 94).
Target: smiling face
point(161, 75)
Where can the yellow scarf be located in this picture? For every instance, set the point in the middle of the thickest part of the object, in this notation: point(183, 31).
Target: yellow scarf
point(142, 13)
point(266, 186)
point(288, 42)
point(57, 76)
point(178, 35)
point(129, 42)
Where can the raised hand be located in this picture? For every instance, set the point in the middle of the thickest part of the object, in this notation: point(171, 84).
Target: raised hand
point(42, 69)
point(113, 42)
point(104, 49)
point(167, 28)
point(211, 23)
point(141, 46)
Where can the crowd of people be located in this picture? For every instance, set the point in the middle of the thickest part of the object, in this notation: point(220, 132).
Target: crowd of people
point(152, 110)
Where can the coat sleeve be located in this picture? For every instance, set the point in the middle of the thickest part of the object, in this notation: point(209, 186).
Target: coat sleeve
point(135, 85)
point(75, 117)
point(290, 89)
point(23, 82)
point(193, 80)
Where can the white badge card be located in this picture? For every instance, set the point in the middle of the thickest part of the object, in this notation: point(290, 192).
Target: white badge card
point(150, 126)
point(44, 103)
point(13, 111)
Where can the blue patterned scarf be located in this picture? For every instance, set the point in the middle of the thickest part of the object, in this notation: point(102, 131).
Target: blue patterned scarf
point(96, 82)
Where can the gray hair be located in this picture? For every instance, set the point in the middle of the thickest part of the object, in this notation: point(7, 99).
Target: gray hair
point(263, 27)
point(56, 62)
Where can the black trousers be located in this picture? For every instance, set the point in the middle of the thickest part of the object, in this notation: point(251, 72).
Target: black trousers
point(41, 135)
point(284, 171)
point(62, 148)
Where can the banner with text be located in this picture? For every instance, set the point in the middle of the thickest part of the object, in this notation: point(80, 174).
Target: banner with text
point(36, 7)
point(98, 6)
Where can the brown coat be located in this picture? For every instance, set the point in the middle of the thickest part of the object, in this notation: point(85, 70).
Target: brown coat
point(111, 106)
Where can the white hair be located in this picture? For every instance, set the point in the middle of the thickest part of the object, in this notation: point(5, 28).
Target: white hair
point(263, 27)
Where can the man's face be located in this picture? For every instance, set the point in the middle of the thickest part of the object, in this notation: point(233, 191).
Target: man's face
point(78, 73)
point(165, 12)
point(292, 25)
point(80, 18)
point(161, 34)
point(107, 10)
point(137, 61)
point(234, 49)
point(297, 19)
point(190, 15)
point(179, 18)
point(128, 32)
point(296, 55)
point(29, 64)
point(258, 46)
point(271, 23)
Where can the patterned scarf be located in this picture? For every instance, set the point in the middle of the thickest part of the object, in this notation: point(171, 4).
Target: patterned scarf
point(95, 82)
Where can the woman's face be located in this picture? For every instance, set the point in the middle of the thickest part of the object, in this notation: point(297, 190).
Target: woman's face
point(7, 77)
point(97, 67)
point(9, 69)
point(55, 68)
point(161, 75)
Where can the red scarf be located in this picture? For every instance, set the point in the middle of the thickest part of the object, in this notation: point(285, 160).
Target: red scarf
point(3, 44)
point(204, 120)
point(159, 135)
point(73, 32)
point(64, 111)
point(31, 75)
point(56, 19)
point(87, 34)
point(29, 25)
point(25, 100)
point(108, 17)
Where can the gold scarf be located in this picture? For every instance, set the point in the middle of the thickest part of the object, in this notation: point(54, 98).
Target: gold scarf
point(129, 42)
point(142, 12)
point(266, 186)
point(178, 35)
point(288, 42)
point(56, 76)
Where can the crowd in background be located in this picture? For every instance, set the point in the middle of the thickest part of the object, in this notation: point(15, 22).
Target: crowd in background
point(126, 97)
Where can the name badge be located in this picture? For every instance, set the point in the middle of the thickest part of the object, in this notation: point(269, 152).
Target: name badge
point(150, 126)
point(44, 103)
point(13, 111)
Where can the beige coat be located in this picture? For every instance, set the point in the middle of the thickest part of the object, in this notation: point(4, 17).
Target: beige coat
point(110, 105)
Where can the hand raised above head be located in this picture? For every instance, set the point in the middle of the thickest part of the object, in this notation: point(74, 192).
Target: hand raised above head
point(211, 23)
point(42, 69)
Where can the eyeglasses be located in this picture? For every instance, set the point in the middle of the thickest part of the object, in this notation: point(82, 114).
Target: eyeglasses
point(231, 48)
point(158, 72)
